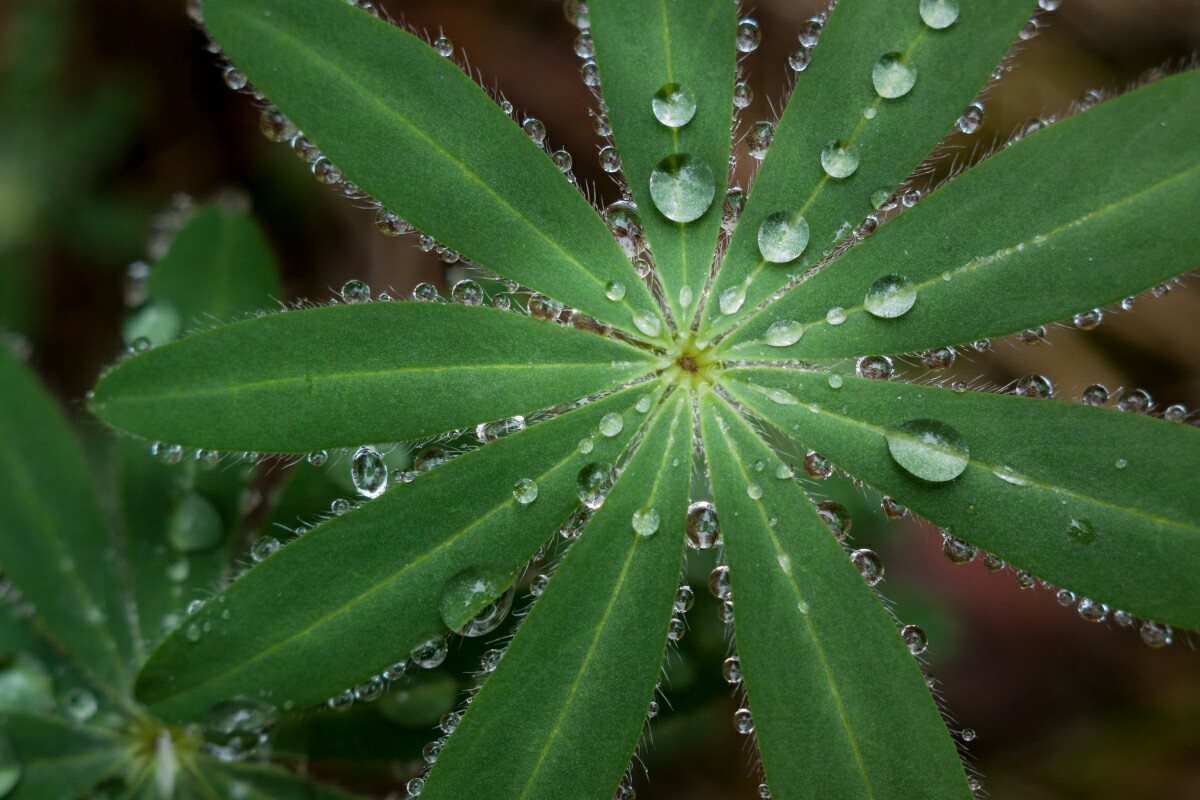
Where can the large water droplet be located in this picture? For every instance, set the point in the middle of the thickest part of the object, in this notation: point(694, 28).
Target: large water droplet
point(682, 187)
point(784, 333)
point(474, 602)
point(703, 529)
point(748, 35)
point(612, 424)
point(674, 105)
point(929, 449)
point(840, 159)
point(939, 14)
point(890, 296)
point(892, 77)
point(196, 525)
point(783, 236)
point(237, 728)
point(369, 472)
point(593, 484)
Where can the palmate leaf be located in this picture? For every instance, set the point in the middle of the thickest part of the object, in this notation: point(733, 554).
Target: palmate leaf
point(343, 375)
point(641, 46)
point(1097, 501)
point(381, 571)
point(216, 779)
point(839, 704)
point(568, 701)
point(60, 759)
point(411, 129)
point(1088, 211)
point(53, 541)
point(835, 101)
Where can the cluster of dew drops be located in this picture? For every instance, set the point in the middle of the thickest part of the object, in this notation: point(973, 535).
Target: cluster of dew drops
point(682, 188)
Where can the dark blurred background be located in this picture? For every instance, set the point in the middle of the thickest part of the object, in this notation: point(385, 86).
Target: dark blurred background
point(109, 107)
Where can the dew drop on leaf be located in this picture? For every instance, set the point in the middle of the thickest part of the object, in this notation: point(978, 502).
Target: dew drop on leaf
point(719, 584)
point(836, 517)
point(702, 527)
point(890, 296)
point(892, 77)
point(443, 46)
point(356, 292)
point(610, 161)
point(593, 484)
point(611, 424)
point(682, 187)
point(647, 323)
point(869, 565)
point(783, 236)
point(474, 602)
point(754, 491)
point(368, 472)
point(732, 670)
point(971, 119)
point(468, 293)
point(645, 521)
point(836, 381)
point(237, 728)
point(535, 129)
point(79, 704)
point(835, 315)
point(525, 491)
point(840, 159)
point(743, 95)
point(758, 140)
point(915, 638)
point(674, 105)
point(732, 299)
point(875, 368)
point(1081, 531)
point(929, 449)
point(957, 551)
point(1155, 634)
point(748, 35)
point(743, 722)
point(939, 14)
point(429, 654)
point(784, 333)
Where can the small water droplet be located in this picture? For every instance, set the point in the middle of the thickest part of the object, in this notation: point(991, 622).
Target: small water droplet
point(674, 105)
point(525, 491)
point(783, 333)
point(840, 159)
point(682, 187)
point(429, 654)
point(748, 35)
point(743, 722)
point(875, 368)
point(610, 161)
point(869, 565)
point(938, 359)
point(732, 299)
point(684, 598)
point(1081, 531)
point(611, 424)
point(929, 449)
point(1155, 634)
point(645, 521)
point(835, 315)
point(237, 728)
point(800, 58)
point(732, 670)
point(719, 583)
point(589, 73)
point(743, 95)
point(890, 296)
point(939, 14)
point(836, 517)
point(754, 491)
point(443, 46)
point(835, 381)
point(474, 602)
point(971, 119)
point(356, 292)
point(783, 236)
point(915, 638)
point(1095, 395)
point(892, 77)
point(369, 472)
point(702, 528)
point(1088, 320)
point(593, 484)
point(758, 140)
point(817, 466)
point(967, 734)
point(615, 291)
point(647, 323)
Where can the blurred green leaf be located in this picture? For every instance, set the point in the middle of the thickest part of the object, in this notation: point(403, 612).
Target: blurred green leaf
point(60, 760)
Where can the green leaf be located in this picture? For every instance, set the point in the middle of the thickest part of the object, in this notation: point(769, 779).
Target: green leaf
point(341, 376)
point(219, 266)
point(568, 701)
point(411, 129)
point(1079, 215)
point(357, 593)
point(53, 541)
point(831, 102)
point(61, 760)
point(179, 523)
point(1035, 467)
point(641, 46)
point(250, 781)
point(830, 681)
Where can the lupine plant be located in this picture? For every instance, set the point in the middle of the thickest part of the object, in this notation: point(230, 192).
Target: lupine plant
point(673, 373)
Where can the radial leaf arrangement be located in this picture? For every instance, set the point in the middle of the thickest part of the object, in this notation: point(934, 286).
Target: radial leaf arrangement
point(643, 373)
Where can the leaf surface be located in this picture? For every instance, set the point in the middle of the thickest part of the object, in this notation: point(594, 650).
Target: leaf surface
point(569, 698)
point(346, 375)
point(1094, 500)
point(412, 130)
point(53, 541)
point(59, 759)
point(1076, 216)
point(835, 100)
point(381, 571)
point(641, 46)
point(839, 704)
point(244, 779)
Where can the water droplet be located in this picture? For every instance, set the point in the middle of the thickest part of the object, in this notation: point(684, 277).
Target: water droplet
point(474, 602)
point(1025, 581)
point(429, 654)
point(748, 35)
point(1081, 531)
point(891, 509)
point(235, 79)
point(938, 359)
point(196, 525)
point(835, 381)
point(682, 187)
point(784, 333)
point(957, 551)
point(784, 472)
point(732, 670)
point(593, 484)
point(783, 236)
point(892, 77)
point(611, 424)
point(967, 734)
point(645, 521)
point(869, 565)
point(684, 598)
point(647, 322)
point(263, 548)
point(1038, 386)
point(800, 58)
point(840, 159)
point(939, 14)
point(929, 449)
point(817, 466)
point(369, 472)
point(719, 583)
point(835, 315)
point(468, 293)
point(525, 491)
point(836, 517)
point(1091, 611)
point(590, 73)
point(675, 631)
point(971, 119)
point(875, 368)
point(754, 491)
point(890, 296)
point(235, 729)
point(915, 638)
point(1095, 395)
point(1029, 29)
point(1088, 320)
point(743, 95)
point(1155, 634)
point(732, 299)
point(703, 529)
point(743, 722)
point(1065, 597)
point(1135, 401)
point(356, 292)
point(443, 46)
point(674, 105)
point(758, 140)
point(610, 161)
